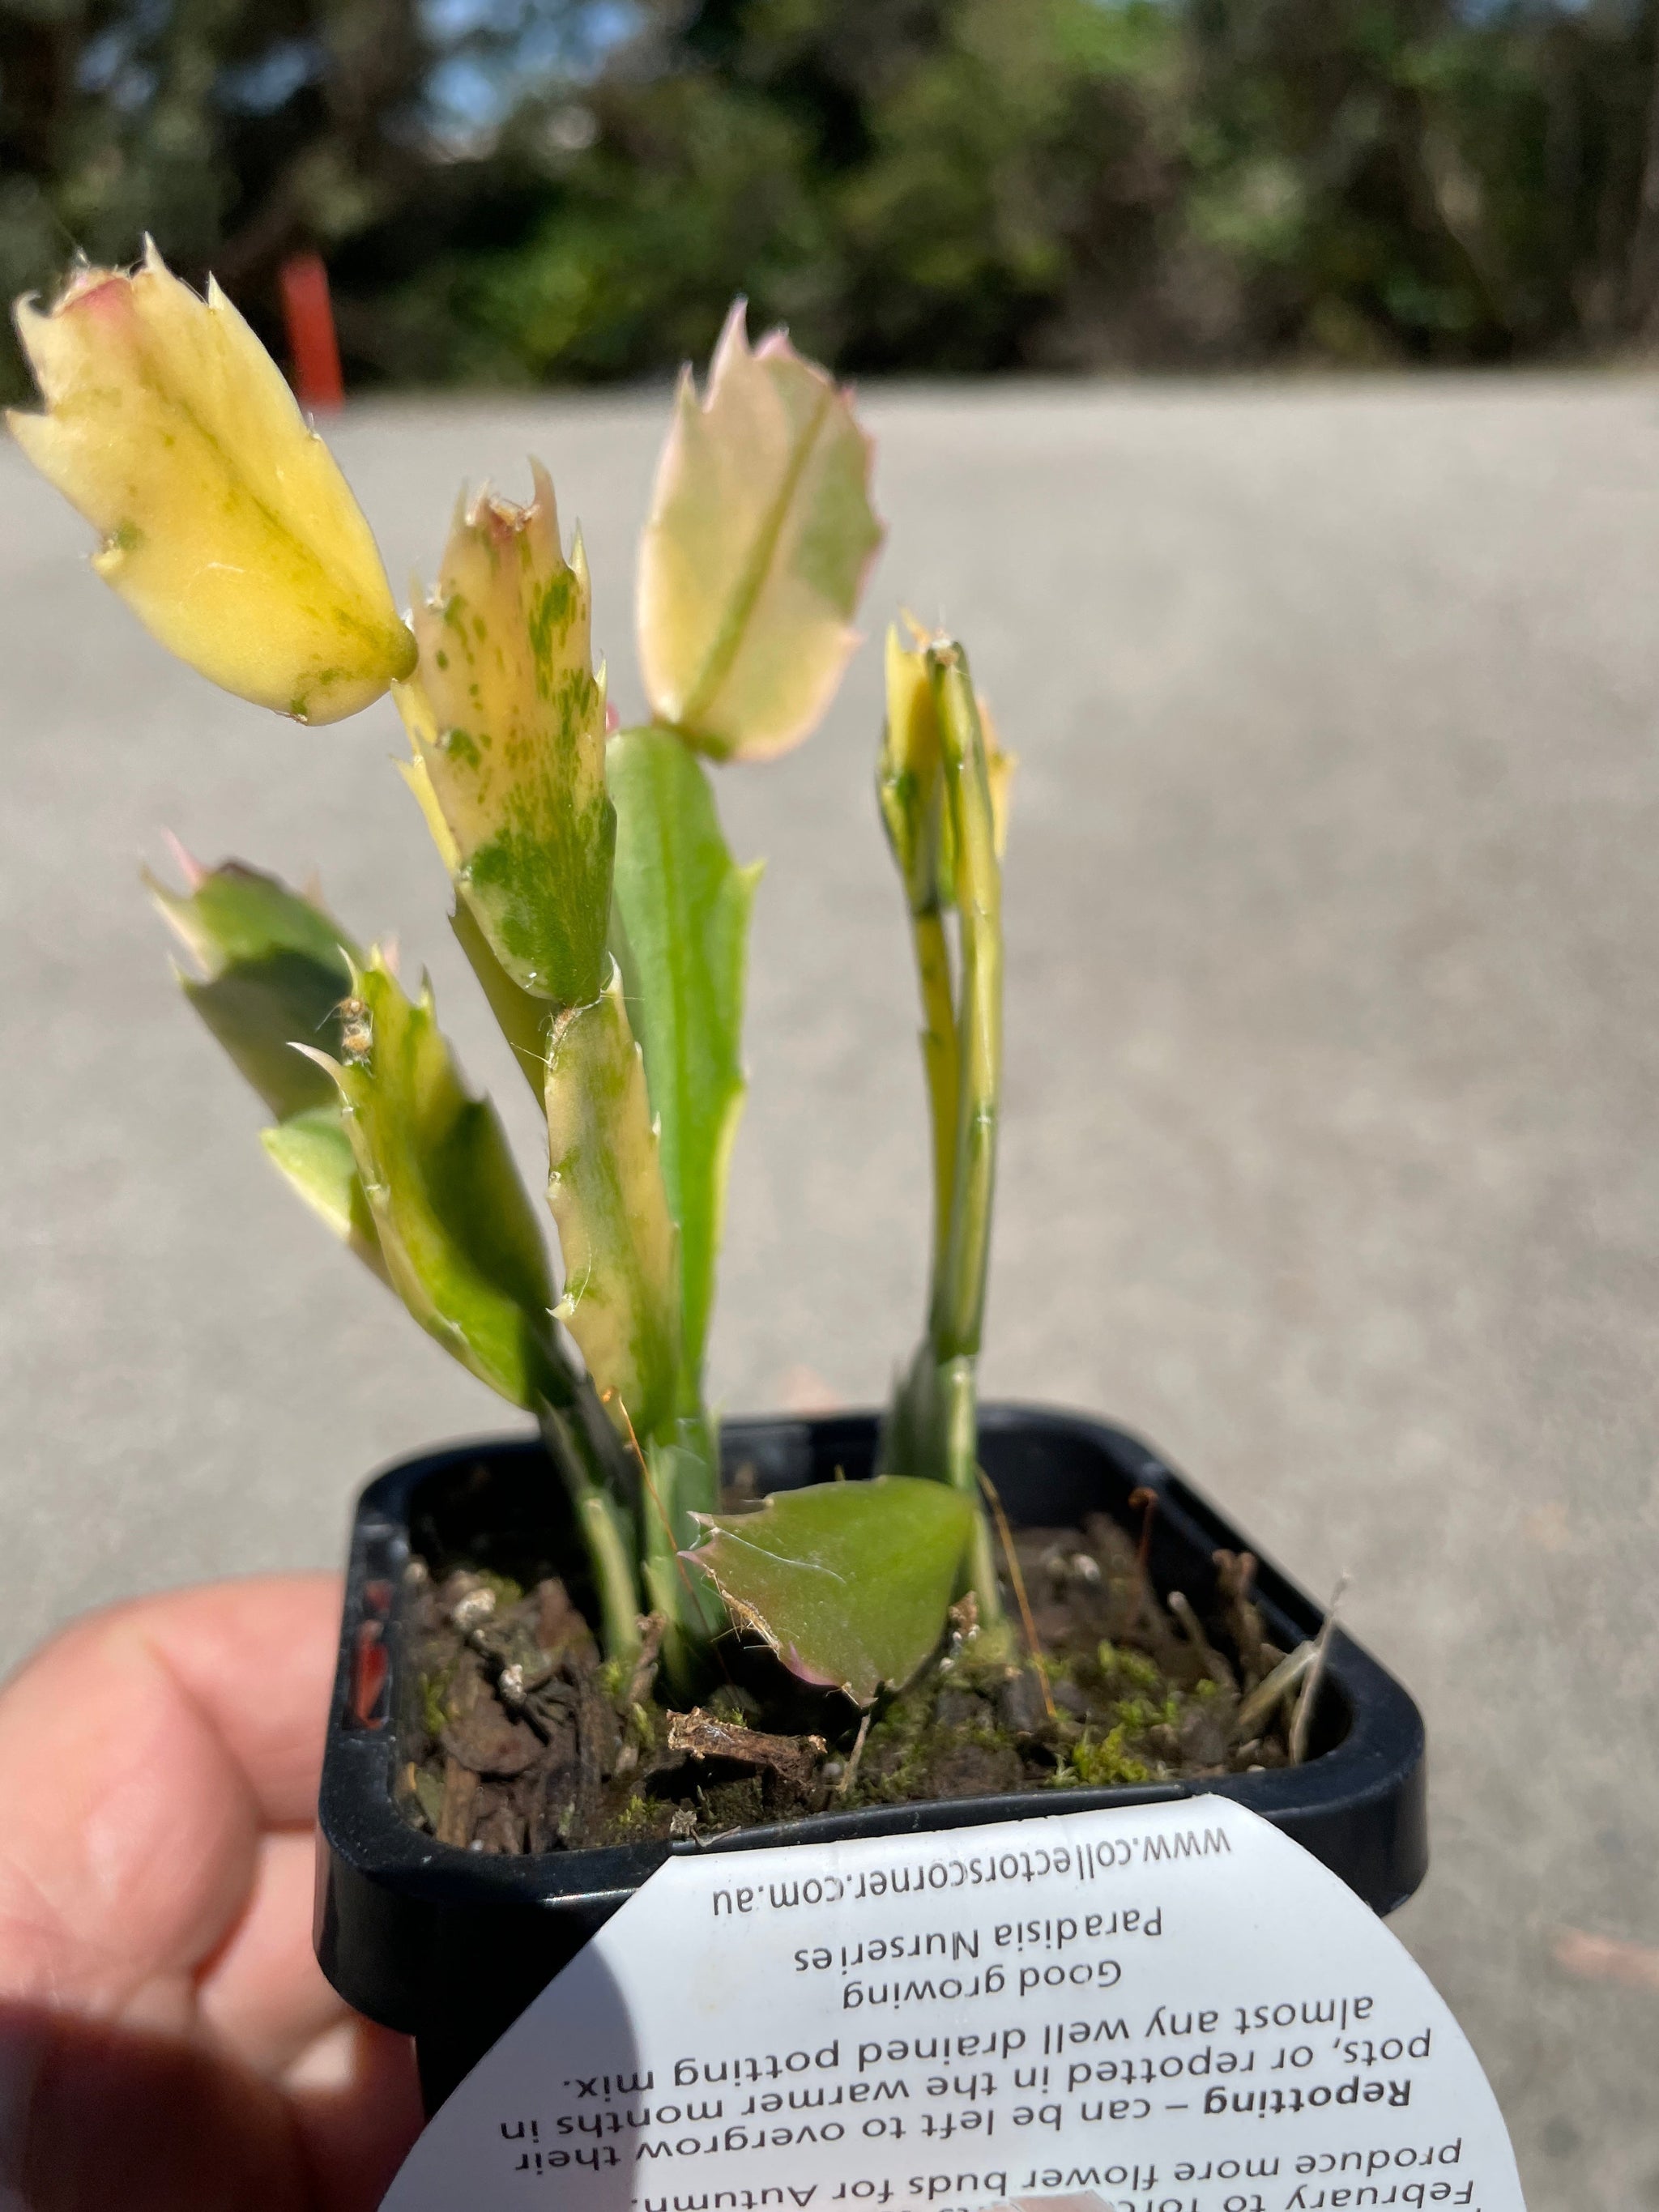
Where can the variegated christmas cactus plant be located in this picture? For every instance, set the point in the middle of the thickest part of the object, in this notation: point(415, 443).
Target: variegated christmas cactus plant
point(603, 915)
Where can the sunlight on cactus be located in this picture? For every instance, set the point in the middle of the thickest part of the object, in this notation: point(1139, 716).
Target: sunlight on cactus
point(226, 525)
point(847, 1582)
point(508, 720)
point(754, 555)
point(604, 916)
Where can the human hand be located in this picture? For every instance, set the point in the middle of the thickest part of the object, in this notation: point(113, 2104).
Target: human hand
point(167, 2042)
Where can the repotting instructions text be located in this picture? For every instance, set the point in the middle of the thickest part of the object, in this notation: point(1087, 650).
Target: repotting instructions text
point(1165, 2008)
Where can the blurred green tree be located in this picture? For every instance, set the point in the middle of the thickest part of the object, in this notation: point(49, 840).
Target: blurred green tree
point(527, 191)
point(232, 131)
point(929, 184)
point(1426, 179)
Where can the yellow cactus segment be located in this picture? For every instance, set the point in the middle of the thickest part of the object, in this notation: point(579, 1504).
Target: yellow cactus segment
point(228, 526)
point(910, 775)
point(756, 550)
point(912, 736)
point(507, 719)
point(605, 1185)
point(909, 780)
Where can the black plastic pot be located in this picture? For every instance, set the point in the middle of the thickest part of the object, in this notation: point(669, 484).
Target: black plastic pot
point(450, 1945)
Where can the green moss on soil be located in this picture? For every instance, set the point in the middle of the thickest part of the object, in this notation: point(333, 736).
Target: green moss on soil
point(521, 1745)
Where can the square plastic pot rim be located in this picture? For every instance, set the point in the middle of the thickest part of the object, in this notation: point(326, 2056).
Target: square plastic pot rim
point(1337, 1802)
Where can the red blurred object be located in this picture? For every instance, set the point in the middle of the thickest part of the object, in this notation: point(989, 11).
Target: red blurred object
point(314, 350)
point(370, 1664)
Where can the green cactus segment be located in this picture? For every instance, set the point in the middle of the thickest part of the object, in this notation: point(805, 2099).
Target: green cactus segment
point(932, 1431)
point(958, 1303)
point(620, 1299)
point(507, 718)
point(259, 1009)
point(275, 970)
point(605, 1531)
point(849, 1581)
point(315, 1153)
point(681, 934)
point(754, 553)
point(462, 1245)
point(233, 915)
point(681, 1481)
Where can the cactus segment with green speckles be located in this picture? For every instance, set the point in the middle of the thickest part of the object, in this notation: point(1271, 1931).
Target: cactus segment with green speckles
point(507, 717)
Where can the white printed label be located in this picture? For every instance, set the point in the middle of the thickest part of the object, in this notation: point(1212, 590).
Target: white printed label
point(1168, 2009)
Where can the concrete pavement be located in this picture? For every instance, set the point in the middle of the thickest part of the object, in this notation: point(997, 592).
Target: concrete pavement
point(1333, 1055)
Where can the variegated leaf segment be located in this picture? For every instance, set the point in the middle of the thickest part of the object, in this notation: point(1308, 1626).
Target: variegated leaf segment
point(943, 787)
point(523, 1018)
point(910, 785)
point(461, 1240)
point(507, 719)
point(227, 525)
point(229, 528)
point(463, 1244)
point(377, 1132)
point(755, 554)
point(275, 970)
point(849, 1581)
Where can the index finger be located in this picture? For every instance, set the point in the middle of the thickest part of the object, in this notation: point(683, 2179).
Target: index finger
point(143, 1751)
point(254, 1657)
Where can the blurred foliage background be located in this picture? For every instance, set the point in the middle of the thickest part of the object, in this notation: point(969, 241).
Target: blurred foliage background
point(540, 191)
